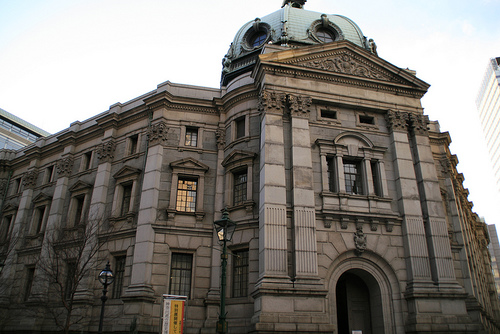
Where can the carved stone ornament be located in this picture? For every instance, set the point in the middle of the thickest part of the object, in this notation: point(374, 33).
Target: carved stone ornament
point(346, 64)
point(359, 241)
point(299, 105)
point(65, 166)
point(272, 102)
point(397, 120)
point(419, 124)
point(3, 186)
point(29, 179)
point(106, 151)
point(157, 133)
point(220, 135)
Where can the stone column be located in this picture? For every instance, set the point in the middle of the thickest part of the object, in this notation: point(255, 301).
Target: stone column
point(436, 228)
point(213, 296)
point(304, 215)
point(140, 287)
point(416, 253)
point(17, 233)
point(272, 194)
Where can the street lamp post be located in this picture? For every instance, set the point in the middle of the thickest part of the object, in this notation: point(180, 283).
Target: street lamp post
point(106, 278)
point(224, 228)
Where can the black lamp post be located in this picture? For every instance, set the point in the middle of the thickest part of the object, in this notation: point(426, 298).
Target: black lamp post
point(106, 278)
point(224, 228)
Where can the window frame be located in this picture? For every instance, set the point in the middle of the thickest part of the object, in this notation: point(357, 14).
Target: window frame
point(39, 219)
point(30, 279)
point(86, 161)
point(187, 168)
point(78, 191)
point(120, 262)
point(125, 177)
point(180, 291)
point(185, 126)
point(242, 284)
point(190, 130)
point(186, 193)
point(234, 163)
point(133, 144)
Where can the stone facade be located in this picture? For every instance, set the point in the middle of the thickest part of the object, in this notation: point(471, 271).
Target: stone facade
point(350, 212)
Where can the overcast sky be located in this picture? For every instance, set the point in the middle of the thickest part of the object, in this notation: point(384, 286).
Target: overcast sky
point(68, 60)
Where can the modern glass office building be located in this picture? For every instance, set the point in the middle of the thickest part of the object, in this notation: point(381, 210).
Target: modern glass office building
point(16, 133)
point(488, 105)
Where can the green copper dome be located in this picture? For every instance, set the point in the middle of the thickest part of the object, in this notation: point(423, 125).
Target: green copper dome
point(291, 26)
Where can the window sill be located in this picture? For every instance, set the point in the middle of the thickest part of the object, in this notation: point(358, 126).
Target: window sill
point(356, 196)
point(129, 217)
point(198, 214)
point(248, 205)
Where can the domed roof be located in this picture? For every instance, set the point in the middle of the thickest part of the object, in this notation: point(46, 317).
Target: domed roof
point(291, 26)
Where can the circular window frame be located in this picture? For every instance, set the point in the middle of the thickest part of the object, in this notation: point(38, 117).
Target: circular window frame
point(332, 28)
point(251, 34)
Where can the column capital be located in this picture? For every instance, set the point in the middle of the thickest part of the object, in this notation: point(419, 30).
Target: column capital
point(397, 120)
point(64, 166)
point(106, 151)
point(157, 133)
point(299, 105)
point(29, 179)
point(272, 102)
point(418, 124)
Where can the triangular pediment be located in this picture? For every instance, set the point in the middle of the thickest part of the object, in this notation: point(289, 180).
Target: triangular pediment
point(80, 185)
point(9, 208)
point(41, 198)
point(189, 164)
point(343, 62)
point(238, 157)
point(126, 171)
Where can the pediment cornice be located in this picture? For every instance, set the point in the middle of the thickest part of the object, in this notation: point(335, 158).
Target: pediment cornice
point(344, 63)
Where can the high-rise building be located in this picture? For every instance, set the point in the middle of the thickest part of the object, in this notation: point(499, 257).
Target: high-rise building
point(350, 214)
point(16, 133)
point(488, 105)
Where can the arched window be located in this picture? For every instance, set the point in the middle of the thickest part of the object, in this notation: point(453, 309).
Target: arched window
point(325, 35)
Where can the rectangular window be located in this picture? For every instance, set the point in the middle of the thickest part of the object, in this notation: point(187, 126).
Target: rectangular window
point(366, 119)
point(49, 174)
point(119, 274)
point(376, 178)
point(180, 274)
point(191, 137)
point(331, 114)
point(240, 127)
point(5, 228)
point(38, 219)
point(186, 194)
point(126, 198)
point(133, 143)
point(71, 280)
point(352, 174)
point(16, 186)
point(30, 275)
point(79, 203)
point(240, 273)
point(240, 187)
point(332, 175)
point(86, 161)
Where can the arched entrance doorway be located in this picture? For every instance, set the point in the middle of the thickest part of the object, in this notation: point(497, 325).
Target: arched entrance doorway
point(359, 304)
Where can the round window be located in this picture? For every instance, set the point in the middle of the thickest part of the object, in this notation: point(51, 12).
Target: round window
point(325, 35)
point(258, 38)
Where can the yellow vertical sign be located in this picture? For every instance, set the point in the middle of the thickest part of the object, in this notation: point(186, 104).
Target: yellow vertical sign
point(176, 325)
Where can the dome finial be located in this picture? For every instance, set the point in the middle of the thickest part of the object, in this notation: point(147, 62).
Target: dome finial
point(295, 3)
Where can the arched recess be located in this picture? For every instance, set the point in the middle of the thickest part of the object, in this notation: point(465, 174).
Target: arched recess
point(382, 283)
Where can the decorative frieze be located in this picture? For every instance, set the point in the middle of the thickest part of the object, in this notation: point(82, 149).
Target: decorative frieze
point(29, 179)
point(106, 151)
point(299, 105)
point(65, 166)
point(347, 64)
point(270, 101)
point(157, 133)
point(397, 120)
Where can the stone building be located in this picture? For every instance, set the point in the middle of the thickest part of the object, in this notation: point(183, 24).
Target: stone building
point(351, 216)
